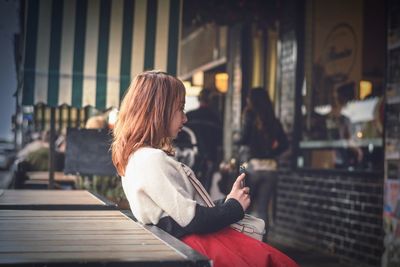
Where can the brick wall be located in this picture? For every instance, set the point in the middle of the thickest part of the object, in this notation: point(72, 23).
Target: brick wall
point(338, 214)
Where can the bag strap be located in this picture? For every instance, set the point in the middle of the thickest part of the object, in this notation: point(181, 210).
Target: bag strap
point(241, 227)
point(198, 186)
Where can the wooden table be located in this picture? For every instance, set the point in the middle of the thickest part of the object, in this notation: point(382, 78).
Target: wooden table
point(58, 177)
point(55, 237)
point(53, 199)
point(40, 179)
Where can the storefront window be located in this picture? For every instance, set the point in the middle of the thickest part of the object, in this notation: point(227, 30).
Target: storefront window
point(342, 106)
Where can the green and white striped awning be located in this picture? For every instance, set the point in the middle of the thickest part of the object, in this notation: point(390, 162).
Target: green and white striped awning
point(85, 52)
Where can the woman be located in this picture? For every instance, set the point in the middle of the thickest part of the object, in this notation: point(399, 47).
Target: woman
point(262, 131)
point(262, 137)
point(157, 186)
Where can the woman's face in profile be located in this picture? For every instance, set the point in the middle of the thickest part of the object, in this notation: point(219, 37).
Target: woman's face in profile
point(178, 119)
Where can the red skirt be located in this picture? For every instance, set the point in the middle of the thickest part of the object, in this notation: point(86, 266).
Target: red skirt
point(229, 248)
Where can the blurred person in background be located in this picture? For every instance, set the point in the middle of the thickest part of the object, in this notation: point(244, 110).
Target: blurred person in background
point(39, 140)
point(204, 112)
point(262, 139)
point(34, 157)
point(338, 127)
point(206, 125)
point(96, 122)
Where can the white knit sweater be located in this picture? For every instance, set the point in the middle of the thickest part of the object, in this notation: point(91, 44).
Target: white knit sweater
point(156, 186)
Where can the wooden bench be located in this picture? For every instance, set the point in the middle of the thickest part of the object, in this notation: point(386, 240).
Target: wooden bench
point(55, 227)
point(102, 237)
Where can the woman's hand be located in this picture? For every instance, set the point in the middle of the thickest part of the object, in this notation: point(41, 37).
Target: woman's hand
point(240, 193)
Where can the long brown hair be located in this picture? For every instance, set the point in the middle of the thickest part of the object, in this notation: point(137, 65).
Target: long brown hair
point(144, 116)
point(261, 106)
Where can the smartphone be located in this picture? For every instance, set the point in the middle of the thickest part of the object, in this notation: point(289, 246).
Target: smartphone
point(242, 169)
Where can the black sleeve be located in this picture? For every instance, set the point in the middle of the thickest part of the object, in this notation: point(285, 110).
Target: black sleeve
point(206, 219)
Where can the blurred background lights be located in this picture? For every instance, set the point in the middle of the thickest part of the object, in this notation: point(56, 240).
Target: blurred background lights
point(221, 82)
point(365, 89)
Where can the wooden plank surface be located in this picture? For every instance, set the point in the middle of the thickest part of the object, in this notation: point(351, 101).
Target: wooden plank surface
point(50, 199)
point(60, 214)
point(54, 237)
point(58, 177)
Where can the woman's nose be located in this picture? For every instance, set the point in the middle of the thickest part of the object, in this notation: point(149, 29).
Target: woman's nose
point(185, 119)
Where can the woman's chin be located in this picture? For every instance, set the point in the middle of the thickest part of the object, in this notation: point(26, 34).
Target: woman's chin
point(173, 136)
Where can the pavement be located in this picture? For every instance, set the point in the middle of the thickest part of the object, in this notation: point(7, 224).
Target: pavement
point(305, 257)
